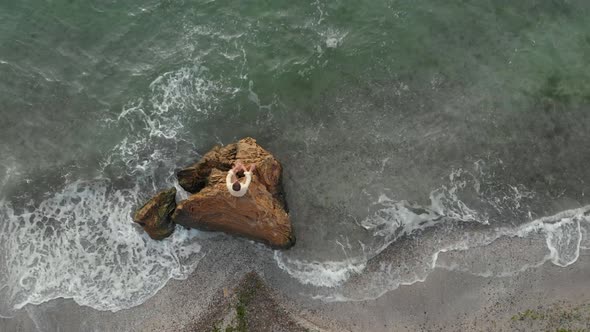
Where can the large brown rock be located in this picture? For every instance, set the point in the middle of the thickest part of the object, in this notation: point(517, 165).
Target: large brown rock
point(196, 177)
point(154, 216)
point(260, 215)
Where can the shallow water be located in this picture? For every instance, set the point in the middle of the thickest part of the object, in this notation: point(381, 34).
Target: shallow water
point(414, 135)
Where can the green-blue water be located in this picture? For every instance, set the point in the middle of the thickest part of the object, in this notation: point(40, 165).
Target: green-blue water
point(392, 118)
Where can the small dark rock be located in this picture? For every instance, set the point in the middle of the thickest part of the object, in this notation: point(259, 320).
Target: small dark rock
point(154, 216)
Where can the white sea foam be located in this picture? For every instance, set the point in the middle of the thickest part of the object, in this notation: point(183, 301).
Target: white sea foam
point(562, 237)
point(11, 171)
point(390, 221)
point(79, 242)
point(334, 38)
point(453, 245)
point(321, 274)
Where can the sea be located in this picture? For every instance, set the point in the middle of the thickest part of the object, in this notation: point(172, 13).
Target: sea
point(415, 135)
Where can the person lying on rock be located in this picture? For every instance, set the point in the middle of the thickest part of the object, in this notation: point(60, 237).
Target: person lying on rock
point(234, 186)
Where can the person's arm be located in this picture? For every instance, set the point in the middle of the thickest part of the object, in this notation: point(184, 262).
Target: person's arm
point(228, 179)
point(238, 167)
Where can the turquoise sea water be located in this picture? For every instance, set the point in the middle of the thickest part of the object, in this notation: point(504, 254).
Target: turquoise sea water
point(442, 125)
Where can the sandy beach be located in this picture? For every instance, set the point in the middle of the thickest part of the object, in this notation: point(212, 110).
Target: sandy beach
point(548, 298)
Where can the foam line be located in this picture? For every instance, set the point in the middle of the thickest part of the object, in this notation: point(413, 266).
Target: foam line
point(79, 242)
point(564, 234)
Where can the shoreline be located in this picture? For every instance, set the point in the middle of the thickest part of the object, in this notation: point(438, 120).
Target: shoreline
point(543, 298)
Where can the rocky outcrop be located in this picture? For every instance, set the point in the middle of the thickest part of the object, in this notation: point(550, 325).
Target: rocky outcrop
point(154, 216)
point(196, 177)
point(260, 215)
point(268, 169)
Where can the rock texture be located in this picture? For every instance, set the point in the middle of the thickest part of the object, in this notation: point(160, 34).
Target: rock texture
point(154, 216)
point(260, 215)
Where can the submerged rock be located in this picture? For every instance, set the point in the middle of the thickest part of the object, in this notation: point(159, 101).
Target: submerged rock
point(154, 216)
point(260, 215)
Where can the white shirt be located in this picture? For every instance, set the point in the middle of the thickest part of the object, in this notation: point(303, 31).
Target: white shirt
point(243, 186)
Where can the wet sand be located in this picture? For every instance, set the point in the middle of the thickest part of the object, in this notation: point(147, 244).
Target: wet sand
point(454, 301)
point(544, 298)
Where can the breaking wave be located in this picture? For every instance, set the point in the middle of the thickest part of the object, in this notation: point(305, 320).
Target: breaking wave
point(80, 242)
point(410, 241)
